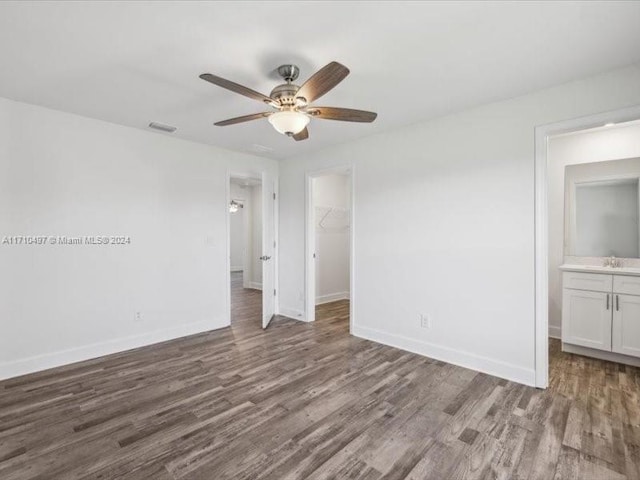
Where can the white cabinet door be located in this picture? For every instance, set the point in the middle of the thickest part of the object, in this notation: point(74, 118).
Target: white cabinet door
point(586, 318)
point(626, 325)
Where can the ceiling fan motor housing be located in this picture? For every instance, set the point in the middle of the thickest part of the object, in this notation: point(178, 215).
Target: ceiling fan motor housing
point(285, 94)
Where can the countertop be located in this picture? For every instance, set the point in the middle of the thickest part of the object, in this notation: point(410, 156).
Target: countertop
point(633, 271)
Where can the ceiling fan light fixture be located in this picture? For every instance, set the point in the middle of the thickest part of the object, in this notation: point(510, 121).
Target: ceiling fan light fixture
point(293, 103)
point(289, 122)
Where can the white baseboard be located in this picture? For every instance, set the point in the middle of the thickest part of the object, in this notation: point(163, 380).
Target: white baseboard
point(255, 285)
point(237, 269)
point(38, 363)
point(292, 313)
point(332, 297)
point(456, 357)
point(555, 331)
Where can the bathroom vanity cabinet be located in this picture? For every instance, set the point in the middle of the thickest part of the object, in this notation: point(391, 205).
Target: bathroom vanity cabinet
point(601, 312)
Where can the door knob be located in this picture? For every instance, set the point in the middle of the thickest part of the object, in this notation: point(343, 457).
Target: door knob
point(265, 257)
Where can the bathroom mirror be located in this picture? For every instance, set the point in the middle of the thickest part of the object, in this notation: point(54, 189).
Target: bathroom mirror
point(602, 209)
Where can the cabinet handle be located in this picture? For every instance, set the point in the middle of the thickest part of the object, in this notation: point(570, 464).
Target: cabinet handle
point(617, 303)
point(607, 301)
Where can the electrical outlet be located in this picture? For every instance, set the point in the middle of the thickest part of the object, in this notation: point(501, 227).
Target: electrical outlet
point(425, 321)
point(138, 316)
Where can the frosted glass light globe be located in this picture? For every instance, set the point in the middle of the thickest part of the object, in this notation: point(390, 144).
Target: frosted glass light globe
point(288, 122)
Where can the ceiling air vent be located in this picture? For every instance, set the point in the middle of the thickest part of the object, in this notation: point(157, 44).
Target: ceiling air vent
point(260, 148)
point(162, 127)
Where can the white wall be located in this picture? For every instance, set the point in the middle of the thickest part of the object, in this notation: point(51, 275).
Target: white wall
point(444, 226)
point(332, 237)
point(578, 148)
point(62, 174)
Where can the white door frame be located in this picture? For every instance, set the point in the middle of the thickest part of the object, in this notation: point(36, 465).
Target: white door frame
point(542, 134)
point(254, 175)
point(310, 241)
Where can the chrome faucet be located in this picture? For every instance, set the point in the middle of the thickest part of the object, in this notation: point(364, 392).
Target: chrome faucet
point(612, 262)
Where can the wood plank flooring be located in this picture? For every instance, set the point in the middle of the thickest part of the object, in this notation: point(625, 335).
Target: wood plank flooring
point(308, 401)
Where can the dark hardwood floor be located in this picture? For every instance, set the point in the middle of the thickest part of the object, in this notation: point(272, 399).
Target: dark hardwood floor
point(308, 401)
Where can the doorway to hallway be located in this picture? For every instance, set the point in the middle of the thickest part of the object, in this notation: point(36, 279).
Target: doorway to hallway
point(245, 210)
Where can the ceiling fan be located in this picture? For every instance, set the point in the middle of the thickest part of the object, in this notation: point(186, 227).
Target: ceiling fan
point(292, 110)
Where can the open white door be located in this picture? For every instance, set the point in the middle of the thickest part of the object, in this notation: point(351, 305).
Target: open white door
point(268, 250)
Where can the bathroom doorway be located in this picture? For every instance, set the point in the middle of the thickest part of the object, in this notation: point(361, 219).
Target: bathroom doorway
point(577, 161)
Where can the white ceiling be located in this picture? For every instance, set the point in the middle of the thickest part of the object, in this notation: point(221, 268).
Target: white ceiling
point(132, 63)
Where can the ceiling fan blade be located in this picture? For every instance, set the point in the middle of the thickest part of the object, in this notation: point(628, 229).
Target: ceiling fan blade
point(302, 135)
point(322, 81)
point(245, 118)
point(342, 114)
point(237, 88)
